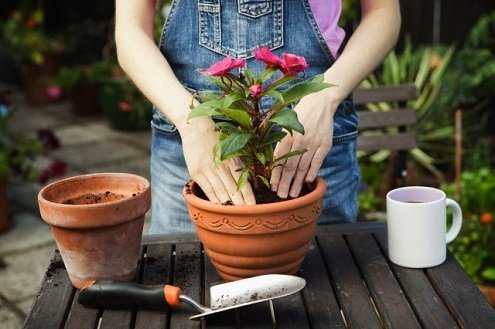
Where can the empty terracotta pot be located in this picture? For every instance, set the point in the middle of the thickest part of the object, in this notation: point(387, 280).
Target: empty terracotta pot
point(245, 241)
point(97, 222)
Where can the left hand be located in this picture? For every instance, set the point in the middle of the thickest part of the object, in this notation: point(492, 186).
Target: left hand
point(315, 112)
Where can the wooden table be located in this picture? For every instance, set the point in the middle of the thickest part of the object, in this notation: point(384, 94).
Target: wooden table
point(350, 283)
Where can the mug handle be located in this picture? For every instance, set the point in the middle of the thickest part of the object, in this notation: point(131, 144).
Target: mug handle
point(457, 222)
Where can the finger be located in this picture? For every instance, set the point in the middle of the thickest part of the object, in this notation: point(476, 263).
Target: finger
point(316, 163)
point(287, 176)
point(282, 148)
point(248, 195)
point(300, 174)
point(218, 185)
point(206, 187)
point(246, 192)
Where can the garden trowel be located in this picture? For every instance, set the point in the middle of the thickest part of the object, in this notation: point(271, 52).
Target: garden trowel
point(225, 296)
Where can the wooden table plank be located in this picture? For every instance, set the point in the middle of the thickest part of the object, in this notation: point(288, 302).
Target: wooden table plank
point(51, 305)
point(290, 312)
point(426, 303)
point(188, 276)
point(82, 317)
point(394, 309)
point(321, 303)
point(352, 293)
point(461, 296)
point(157, 269)
point(228, 319)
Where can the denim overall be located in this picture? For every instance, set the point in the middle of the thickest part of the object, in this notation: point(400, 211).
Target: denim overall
point(198, 33)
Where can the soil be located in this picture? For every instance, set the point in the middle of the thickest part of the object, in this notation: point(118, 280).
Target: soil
point(92, 198)
point(263, 195)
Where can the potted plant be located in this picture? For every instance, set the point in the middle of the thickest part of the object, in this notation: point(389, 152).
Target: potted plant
point(97, 222)
point(79, 82)
point(273, 237)
point(17, 159)
point(474, 247)
point(124, 105)
point(38, 55)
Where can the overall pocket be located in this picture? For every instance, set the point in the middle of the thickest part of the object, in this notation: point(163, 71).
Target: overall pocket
point(236, 28)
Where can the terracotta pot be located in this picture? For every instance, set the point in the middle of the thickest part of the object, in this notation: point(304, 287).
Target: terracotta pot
point(489, 292)
point(101, 240)
point(245, 241)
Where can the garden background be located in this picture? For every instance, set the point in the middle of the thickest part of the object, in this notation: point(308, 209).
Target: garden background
point(54, 50)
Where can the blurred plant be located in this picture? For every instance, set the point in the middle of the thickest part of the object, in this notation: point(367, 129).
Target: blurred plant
point(474, 248)
point(425, 67)
point(469, 87)
point(69, 77)
point(126, 107)
point(23, 31)
point(18, 152)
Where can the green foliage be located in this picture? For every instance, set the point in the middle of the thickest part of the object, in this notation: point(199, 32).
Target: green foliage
point(247, 132)
point(425, 67)
point(25, 37)
point(17, 152)
point(474, 248)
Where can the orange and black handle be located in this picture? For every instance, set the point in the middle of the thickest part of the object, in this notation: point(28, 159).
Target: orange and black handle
point(121, 294)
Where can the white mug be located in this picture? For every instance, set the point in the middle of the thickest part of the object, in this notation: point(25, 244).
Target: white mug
point(416, 224)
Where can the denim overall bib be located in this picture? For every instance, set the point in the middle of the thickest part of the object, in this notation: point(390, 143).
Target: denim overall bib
point(198, 33)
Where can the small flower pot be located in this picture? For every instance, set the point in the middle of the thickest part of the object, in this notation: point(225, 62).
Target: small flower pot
point(97, 222)
point(245, 241)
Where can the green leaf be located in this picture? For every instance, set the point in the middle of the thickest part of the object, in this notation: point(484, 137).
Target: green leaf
point(243, 178)
point(267, 74)
point(207, 109)
point(249, 76)
point(239, 116)
point(287, 118)
point(264, 180)
point(205, 96)
point(233, 144)
point(273, 137)
point(261, 157)
point(227, 127)
point(277, 95)
point(291, 154)
point(301, 89)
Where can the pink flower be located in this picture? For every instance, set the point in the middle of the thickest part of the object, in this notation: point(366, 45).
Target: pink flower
point(54, 92)
point(293, 64)
point(221, 68)
point(125, 106)
point(256, 89)
point(265, 55)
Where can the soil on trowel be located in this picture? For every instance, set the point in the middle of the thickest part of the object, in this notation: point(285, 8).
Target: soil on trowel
point(92, 198)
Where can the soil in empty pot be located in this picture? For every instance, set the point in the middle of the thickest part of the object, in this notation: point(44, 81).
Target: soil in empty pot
point(93, 198)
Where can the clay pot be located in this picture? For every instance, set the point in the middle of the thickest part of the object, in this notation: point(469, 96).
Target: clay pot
point(245, 241)
point(489, 292)
point(97, 240)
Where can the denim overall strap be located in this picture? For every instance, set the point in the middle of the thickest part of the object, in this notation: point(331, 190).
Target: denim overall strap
point(198, 33)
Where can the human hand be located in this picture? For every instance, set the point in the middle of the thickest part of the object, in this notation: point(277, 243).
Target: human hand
point(315, 113)
point(218, 181)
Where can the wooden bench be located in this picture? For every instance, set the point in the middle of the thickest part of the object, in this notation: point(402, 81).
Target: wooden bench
point(387, 130)
point(375, 127)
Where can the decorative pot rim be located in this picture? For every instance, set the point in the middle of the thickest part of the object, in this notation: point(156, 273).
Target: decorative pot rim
point(191, 198)
point(55, 212)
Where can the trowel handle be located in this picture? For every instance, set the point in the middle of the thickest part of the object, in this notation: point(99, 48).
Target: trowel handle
point(121, 294)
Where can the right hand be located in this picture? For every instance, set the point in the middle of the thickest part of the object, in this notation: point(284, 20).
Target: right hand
point(218, 181)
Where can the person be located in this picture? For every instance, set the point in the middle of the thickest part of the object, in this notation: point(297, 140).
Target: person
point(199, 33)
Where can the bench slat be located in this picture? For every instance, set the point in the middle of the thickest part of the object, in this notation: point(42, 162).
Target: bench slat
point(394, 142)
point(397, 117)
point(385, 94)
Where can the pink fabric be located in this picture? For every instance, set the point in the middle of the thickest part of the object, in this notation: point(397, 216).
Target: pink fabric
point(327, 14)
